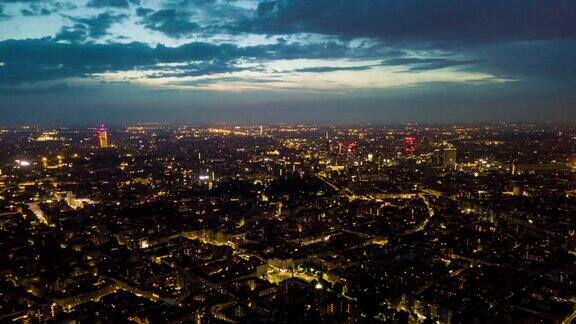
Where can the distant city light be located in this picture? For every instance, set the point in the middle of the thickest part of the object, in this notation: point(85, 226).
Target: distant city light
point(22, 163)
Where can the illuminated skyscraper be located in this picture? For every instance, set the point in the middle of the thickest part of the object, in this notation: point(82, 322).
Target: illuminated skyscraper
point(103, 137)
point(449, 158)
point(410, 144)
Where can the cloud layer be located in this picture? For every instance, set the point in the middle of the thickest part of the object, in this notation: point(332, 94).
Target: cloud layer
point(381, 49)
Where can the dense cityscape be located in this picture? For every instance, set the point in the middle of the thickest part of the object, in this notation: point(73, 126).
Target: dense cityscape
point(162, 223)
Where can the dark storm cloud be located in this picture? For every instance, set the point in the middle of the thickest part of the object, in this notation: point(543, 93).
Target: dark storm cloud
point(33, 60)
point(33, 11)
point(182, 18)
point(94, 27)
point(43, 59)
point(143, 12)
point(3, 15)
point(171, 22)
point(199, 69)
point(191, 2)
point(46, 8)
point(21, 1)
point(419, 20)
point(549, 62)
point(426, 64)
point(108, 3)
point(73, 34)
point(36, 12)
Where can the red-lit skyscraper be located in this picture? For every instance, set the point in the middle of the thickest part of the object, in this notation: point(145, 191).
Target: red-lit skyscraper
point(347, 148)
point(103, 137)
point(410, 144)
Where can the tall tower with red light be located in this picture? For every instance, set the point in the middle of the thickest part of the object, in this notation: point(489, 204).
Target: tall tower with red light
point(347, 148)
point(103, 136)
point(410, 144)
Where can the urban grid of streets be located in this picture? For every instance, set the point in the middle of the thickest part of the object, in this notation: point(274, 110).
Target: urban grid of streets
point(288, 223)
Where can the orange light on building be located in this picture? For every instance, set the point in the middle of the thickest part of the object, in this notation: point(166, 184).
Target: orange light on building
point(103, 137)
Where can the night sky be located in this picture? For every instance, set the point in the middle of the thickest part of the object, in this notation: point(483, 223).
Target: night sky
point(204, 61)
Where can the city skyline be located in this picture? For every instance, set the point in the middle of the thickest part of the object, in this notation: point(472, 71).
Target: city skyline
point(407, 224)
point(288, 161)
point(251, 61)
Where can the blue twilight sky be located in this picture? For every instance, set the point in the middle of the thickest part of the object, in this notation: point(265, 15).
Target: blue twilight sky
point(197, 61)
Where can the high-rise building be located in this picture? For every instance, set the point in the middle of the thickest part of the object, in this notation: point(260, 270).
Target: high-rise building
point(103, 137)
point(410, 144)
point(449, 158)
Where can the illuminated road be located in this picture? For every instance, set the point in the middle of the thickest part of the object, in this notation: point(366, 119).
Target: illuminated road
point(348, 193)
point(430, 213)
point(569, 319)
point(424, 223)
point(35, 208)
